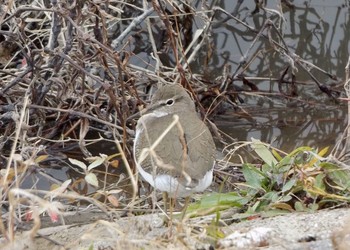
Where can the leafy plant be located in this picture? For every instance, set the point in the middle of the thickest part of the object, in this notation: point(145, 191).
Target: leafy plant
point(90, 177)
point(302, 180)
point(216, 202)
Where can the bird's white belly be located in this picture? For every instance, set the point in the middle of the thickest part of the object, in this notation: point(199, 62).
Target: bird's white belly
point(169, 184)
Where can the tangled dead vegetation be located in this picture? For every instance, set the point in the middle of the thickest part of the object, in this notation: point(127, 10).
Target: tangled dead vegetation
point(69, 68)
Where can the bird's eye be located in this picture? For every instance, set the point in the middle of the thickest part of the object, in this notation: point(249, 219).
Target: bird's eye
point(170, 102)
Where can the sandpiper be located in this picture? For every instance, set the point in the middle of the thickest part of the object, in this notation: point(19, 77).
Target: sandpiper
point(174, 149)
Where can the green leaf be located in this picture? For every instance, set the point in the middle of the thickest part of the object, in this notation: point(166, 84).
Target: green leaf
point(267, 169)
point(255, 207)
point(319, 182)
point(270, 196)
point(218, 201)
point(263, 152)
point(285, 198)
point(288, 185)
point(299, 207)
point(91, 178)
point(299, 150)
point(276, 155)
point(78, 163)
point(96, 163)
point(233, 199)
point(254, 178)
point(285, 164)
point(323, 151)
point(314, 207)
point(339, 176)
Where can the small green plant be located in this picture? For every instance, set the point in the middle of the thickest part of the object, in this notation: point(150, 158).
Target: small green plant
point(303, 180)
point(300, 181)
point(90, 177)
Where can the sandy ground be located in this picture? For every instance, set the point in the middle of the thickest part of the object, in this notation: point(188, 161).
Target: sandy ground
point(327, 229)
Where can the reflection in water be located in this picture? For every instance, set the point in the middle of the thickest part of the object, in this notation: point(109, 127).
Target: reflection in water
point(288, 129)
point(310, 119)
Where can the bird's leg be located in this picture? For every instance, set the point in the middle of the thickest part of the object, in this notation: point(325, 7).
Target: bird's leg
point(183, 213)
point(172, 202)
point(169, 216)
point(165, 202)
point(168, 201)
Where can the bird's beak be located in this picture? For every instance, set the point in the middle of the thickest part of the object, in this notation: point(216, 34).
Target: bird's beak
point(134, 116)
point(139, 114)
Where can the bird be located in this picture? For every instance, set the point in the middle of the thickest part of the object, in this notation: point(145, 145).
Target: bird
point(173, 148)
